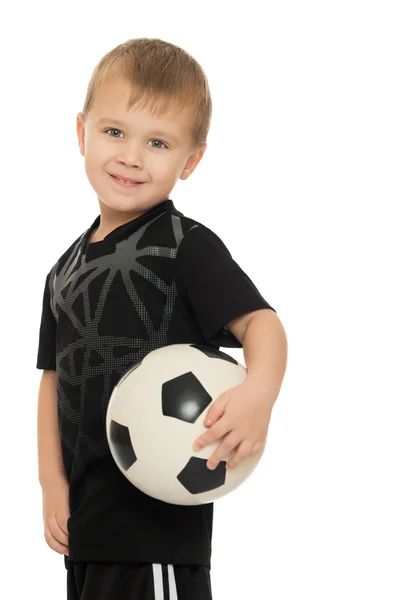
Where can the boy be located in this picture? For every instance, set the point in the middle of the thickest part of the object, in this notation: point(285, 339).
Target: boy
point(142, 276)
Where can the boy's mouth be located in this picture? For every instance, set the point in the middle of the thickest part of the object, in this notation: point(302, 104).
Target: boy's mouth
point(124, 181)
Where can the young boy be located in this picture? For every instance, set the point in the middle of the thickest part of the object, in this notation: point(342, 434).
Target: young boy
point(141, 277)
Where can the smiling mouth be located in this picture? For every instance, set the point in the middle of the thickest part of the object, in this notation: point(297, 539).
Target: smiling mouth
point(125, 180)
point(125, 183)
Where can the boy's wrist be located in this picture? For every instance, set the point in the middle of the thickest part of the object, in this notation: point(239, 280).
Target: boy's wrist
point(51, 479)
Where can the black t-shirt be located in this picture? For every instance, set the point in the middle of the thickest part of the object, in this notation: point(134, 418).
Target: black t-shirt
point(160, 279)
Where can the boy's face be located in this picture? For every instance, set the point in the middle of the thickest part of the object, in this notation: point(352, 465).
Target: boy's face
point(154, 150)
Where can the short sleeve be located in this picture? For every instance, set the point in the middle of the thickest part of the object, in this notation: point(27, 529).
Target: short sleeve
point(46, 357)
point(216, 287)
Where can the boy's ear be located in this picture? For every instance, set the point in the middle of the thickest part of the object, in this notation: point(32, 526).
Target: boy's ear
point(193, 161)
point(80, 130)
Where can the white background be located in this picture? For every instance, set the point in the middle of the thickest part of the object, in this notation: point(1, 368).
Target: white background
point(301, 182)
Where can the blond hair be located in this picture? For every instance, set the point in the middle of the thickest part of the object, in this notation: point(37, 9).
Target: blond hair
point(159, 72)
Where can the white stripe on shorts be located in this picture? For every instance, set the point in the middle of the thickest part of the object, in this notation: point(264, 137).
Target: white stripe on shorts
point(158, 583)
point(173, 595)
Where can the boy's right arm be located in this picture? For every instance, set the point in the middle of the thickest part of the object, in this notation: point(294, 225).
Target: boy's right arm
point(55, 489)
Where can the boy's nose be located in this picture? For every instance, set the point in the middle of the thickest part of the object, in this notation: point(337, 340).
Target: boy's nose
point(131, 157)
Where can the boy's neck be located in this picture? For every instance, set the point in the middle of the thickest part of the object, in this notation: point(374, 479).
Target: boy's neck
point(110, 220)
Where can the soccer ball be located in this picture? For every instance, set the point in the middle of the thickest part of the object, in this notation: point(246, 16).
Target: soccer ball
point(155, 413)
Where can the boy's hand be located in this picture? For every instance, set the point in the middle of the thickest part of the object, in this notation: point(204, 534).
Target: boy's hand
point(242, 415)
point(55, 515)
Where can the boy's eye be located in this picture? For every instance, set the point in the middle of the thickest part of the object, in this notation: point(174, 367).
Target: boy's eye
point(158, 141)
point(107, 130)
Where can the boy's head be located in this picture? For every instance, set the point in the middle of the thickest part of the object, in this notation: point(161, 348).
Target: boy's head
point(146, 117)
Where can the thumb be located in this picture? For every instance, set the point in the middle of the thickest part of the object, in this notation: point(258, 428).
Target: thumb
point(217, 409)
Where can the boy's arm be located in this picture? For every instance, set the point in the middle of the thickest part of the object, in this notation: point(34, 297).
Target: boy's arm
point(50, 461)
point(52, 478)
point(240, 416)
point(265, 349)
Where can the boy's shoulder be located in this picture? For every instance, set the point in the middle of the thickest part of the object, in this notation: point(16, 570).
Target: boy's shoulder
point(69, 252)
point(200, 233)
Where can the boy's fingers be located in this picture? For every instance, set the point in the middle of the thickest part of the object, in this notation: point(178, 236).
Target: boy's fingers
point(57, 532)
point(229, 443)
point(217, 431)
point(62, 521)
point(53, 543)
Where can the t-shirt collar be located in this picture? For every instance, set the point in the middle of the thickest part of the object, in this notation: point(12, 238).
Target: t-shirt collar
point(116, 233)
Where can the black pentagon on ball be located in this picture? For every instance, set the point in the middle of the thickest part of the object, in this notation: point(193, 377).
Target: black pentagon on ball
point(184, 398)
point(122, 445)
point(197, 478)
point(214, 353)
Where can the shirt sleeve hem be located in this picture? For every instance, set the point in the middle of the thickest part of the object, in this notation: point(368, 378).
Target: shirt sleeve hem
point(45, 366)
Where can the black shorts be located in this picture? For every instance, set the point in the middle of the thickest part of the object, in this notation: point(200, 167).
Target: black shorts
point(135, 581)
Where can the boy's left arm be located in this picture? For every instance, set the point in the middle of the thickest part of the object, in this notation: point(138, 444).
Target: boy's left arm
point(241, 414)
